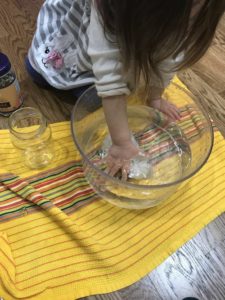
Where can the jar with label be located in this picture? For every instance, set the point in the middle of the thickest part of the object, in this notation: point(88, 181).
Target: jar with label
point(10, 96)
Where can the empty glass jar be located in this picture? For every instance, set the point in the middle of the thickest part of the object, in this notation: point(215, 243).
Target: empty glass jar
point(31, 134)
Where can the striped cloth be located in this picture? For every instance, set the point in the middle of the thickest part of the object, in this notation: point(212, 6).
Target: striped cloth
point(66, 186)
point(58, 240)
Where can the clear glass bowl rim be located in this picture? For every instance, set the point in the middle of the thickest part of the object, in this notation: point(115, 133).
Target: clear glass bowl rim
point(135, 186)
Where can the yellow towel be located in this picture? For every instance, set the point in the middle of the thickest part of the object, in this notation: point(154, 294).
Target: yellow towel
point(50, 249)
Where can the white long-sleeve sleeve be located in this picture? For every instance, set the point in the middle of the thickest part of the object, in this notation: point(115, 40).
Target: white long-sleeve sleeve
point(72, 29)
point(166, 71)
point(107, 66)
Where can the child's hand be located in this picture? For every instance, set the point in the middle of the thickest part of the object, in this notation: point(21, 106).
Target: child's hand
point(166, 107)
point(119, 157)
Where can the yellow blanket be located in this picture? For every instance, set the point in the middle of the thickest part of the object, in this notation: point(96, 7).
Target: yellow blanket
point(50, 249)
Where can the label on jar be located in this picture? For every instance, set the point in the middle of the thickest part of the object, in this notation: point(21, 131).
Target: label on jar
point(10, 97)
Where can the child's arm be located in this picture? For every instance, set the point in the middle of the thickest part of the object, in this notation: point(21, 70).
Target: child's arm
point(115, 109)
point(156, 92)
point(155, 99)
point(112, 87)
point(122, 149)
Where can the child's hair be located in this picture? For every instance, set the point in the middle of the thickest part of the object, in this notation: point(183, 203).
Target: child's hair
point(148, 31)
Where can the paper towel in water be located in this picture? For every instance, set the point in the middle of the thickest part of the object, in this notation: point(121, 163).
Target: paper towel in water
point(140, 166)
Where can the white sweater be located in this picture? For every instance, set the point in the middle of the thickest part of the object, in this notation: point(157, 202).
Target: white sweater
point(69, 49)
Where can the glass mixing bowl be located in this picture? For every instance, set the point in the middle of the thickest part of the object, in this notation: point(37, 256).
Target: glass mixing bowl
point(175, 151)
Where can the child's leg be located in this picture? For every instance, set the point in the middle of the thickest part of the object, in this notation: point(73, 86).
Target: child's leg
point(77, 92)
point(90, 100)
point(36, 77)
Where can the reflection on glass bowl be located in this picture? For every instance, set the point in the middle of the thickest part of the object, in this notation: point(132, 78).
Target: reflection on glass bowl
point(174, 151)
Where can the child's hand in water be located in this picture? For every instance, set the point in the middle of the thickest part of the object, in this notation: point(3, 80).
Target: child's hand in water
point(166, 107)
point(119, 157)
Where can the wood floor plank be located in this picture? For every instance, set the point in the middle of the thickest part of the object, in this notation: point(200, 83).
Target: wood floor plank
point(214, 70)
point(11, 16)
point(111, 296)
point(222, 94)
point(3, 32)
point(188, 272)
point(191, 273)
point(207, 97)
point(31, 7)
point(214, 59)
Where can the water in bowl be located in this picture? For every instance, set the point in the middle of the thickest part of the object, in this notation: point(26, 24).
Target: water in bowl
point(168, 154)
point(173, 159)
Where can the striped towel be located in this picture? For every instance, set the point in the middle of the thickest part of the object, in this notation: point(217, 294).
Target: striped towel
point(59, 240)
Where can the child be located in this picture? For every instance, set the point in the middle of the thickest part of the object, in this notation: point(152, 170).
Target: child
point(113, 43)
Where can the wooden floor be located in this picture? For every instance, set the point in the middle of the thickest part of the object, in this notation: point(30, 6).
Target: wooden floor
point(198, 268)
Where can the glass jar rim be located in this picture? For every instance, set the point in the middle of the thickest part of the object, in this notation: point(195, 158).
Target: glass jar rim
point(132, 185)
point(23, 136)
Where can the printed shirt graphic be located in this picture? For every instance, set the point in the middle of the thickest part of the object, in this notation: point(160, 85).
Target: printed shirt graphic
point(59, 46)
point(69, 49)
